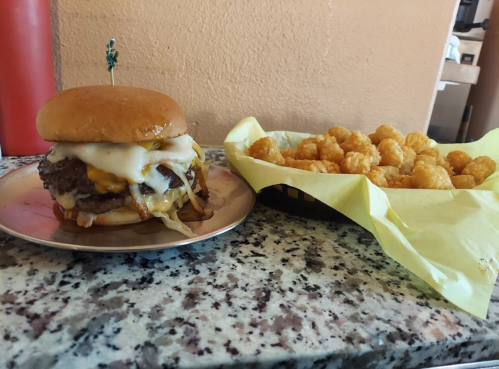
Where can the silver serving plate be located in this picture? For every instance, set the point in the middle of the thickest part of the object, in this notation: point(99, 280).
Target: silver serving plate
point(27, 211)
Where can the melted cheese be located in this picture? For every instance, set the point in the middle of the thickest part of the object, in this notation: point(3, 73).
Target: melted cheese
point(105, 181)
point(150, 145)
point(164, 202)
point(165, 206)
point(127, 160)
point(156, 180)
point(68, 200)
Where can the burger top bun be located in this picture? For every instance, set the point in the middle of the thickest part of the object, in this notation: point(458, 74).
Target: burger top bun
point(110, 114)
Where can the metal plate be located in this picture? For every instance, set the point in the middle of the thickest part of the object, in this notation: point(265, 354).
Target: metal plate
point(493, 364)
point(28, 212)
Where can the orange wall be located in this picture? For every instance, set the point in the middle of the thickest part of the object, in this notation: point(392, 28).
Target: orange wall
point(294, 64)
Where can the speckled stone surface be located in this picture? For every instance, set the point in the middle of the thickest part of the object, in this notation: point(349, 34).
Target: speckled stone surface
point(276, 292)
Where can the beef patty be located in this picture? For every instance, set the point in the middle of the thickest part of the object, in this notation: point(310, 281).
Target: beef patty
point(68, 175)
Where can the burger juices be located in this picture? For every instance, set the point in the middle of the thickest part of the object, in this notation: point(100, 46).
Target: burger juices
point(122, 155)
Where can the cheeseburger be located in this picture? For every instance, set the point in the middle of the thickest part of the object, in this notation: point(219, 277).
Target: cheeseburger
point(121, 156)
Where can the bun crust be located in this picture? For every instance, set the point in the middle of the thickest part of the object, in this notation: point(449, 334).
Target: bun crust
point(108, 113)
point(120, 216)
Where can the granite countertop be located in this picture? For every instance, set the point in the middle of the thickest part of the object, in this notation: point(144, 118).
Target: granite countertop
point(277, 291)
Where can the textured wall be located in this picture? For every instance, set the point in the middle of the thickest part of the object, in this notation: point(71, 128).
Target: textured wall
point(294, 64)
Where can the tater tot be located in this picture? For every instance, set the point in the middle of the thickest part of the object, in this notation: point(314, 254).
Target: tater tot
point(319, 140)
point(391, 153)
point(307, 151)
point(324, 141)
point(442, 162)
point(401, 181)
point(331, 167)
point(416, 141)
point(408, 162)
point(425, 159)
point(458, 160)
point(387, 131)
point(332, 153)
point(385, 157)
point(374, 138)
point(266, 149)
point(431, 177)
point(463, 181)
point(377, 177)
point(315, 166)
point(288, 153)
point(371, 151)
point(355, 163)
point(309, 140)
point(355, 140)
point(389, 172)
point(431, 151)
point(480, 168)
point(340, 133)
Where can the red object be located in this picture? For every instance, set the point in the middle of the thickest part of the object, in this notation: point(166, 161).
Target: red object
point(26, 74)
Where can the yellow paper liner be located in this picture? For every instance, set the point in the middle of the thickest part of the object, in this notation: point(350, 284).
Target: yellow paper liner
point(448, 238)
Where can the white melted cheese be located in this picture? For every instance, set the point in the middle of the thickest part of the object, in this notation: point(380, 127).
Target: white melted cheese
point(126, 160)
point(156, 180)
point(68, 200)
point(164, 202)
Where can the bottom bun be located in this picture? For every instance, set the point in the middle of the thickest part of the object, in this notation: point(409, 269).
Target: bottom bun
point(116, 217)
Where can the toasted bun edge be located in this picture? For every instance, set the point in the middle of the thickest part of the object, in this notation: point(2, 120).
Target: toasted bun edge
point(106, 113)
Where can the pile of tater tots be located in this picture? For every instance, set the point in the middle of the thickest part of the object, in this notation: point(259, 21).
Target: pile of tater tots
point(386, 157)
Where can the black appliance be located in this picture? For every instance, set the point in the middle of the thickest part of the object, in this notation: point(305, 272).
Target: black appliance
point(465, 19)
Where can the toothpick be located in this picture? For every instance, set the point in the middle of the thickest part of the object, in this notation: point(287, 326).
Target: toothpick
point(112, 59)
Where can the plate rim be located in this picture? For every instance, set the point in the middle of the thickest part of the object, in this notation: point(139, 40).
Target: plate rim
point(135, 248)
